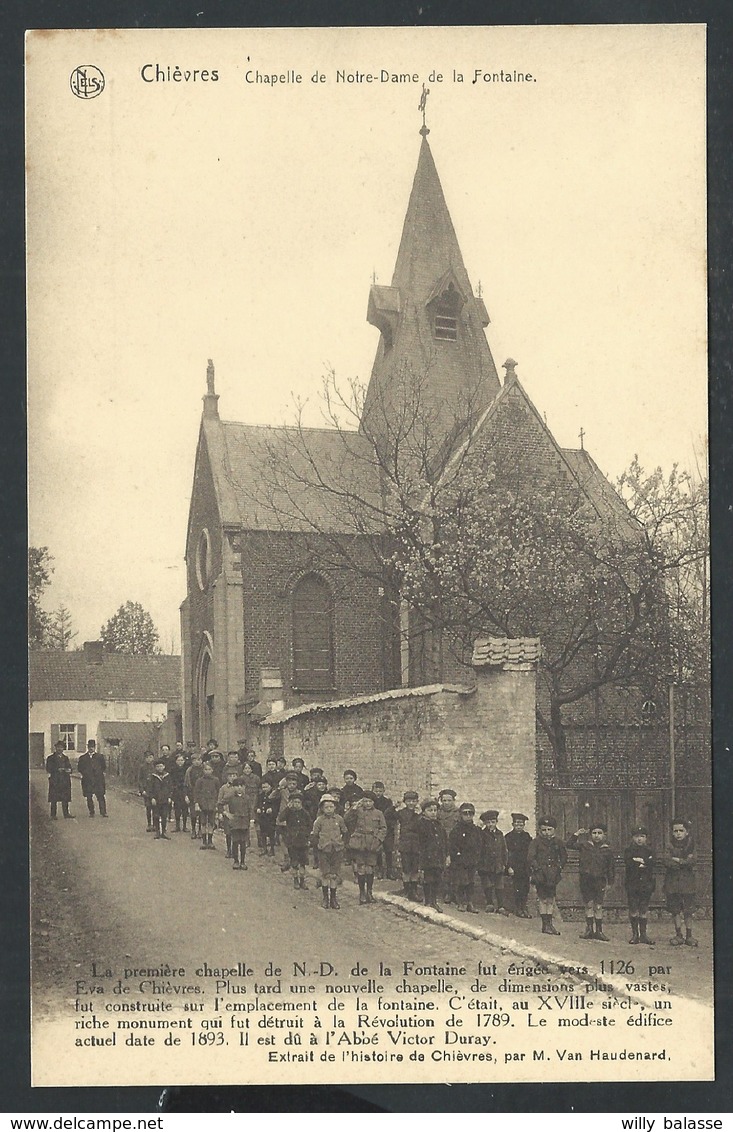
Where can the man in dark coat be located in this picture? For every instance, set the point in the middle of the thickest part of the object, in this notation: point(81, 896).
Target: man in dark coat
point(91, 766)
point(464, 847)
point(433, 852)
point(407, 843)
point(58, 768)
point(518, 841)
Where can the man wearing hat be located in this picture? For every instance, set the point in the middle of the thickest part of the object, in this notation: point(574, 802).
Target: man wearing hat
point(493, 862)
point(407, 842)
point(640, 882)
point(546, 858)
point(518, 841)
point(464, 848)
point(91, 766)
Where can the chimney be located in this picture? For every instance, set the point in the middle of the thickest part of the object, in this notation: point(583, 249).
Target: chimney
point(211, 397)
point(93, 652)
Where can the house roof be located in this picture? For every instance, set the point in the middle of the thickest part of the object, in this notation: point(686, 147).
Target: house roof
point(55, 675)
point(293, 479)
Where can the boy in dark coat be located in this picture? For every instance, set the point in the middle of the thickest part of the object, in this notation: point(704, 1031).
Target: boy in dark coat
point(386, 806)
point(296, 831)
point(58, 769)
point(447, 816)
point(639, 881)
point(191, 777)
point(91, 766)
point(160, 799)
point(546, 858)
point(596, 870)
point(178, 792)
point(267, 811)
point(407, 842)
point(205, 795)
point(351, 791)
point(518, 842)
point(679, 882)
point(464, 847)
point(433, 852)
point(492, 865)
point(144, 774)
point(239, 815)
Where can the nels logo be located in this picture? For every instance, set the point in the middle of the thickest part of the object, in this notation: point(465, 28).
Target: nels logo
point(86, 82)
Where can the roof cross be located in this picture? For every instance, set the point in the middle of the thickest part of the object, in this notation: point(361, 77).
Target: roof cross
point(421, 106)
point(582, 434)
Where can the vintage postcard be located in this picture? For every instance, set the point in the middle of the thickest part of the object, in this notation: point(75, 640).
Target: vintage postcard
point(369, 733)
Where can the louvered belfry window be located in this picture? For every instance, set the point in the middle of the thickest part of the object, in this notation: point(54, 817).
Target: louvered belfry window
point(312, 635)
point(446, 315)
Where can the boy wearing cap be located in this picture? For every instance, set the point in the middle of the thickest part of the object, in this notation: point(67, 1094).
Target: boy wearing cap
point(328, 839)
point(288, 786)
point(160, 799)
point(639, 881)
point(296, 830)
point(493, 862)
point(367, 831)
point(546, 858)
point(239, 816)
point(679, 882)
point(518, 841)
point(190, 779)
point(407, 842)
point(433, 852)
point(447, 816)
point(595, 866)
point(464, 847)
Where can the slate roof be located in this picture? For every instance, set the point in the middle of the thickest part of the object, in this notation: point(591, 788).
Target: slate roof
point(596, 485)
point(55, 675)
point(499, 652)
point(428, 258)
point(330, 476)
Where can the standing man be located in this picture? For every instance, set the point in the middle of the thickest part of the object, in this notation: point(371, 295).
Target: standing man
point(91, 766)
point(58, 769)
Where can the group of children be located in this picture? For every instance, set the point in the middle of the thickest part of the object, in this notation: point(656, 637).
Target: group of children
point(438, 844)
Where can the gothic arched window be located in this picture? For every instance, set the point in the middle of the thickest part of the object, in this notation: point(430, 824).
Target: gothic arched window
point(313, 668)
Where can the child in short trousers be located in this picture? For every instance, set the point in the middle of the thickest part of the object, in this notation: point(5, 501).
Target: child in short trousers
point(639, 882)
point(296, 830)
point(679, 882)
point(328, 839)
point(239, 814)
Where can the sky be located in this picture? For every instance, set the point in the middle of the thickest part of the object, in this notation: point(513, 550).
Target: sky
point(243, 221)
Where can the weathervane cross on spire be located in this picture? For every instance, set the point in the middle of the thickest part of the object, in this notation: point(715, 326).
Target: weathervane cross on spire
point(421, 106)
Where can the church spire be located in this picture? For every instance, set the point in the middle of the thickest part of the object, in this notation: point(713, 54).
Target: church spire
point(431, 323)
